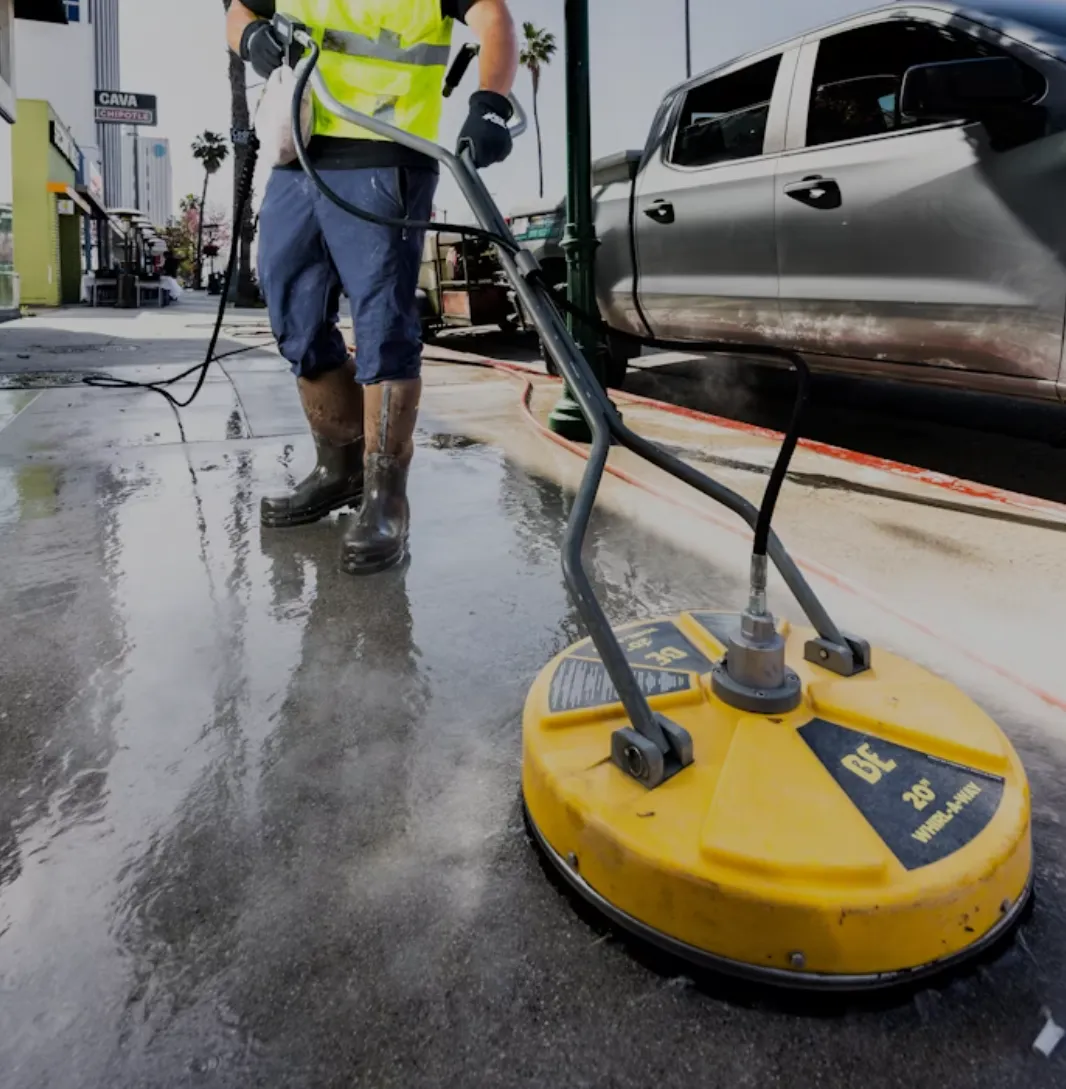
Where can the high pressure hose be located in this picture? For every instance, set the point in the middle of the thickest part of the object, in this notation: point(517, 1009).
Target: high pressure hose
point(244, 192)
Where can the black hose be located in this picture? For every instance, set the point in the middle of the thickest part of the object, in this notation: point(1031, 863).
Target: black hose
point(781, 464)
point(244, 190)
point(792, 433)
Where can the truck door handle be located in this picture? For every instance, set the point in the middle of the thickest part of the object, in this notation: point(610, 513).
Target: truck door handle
point(662, 211)
point(816, 192)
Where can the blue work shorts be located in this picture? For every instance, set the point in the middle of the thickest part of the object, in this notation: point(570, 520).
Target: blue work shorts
point(309, 249)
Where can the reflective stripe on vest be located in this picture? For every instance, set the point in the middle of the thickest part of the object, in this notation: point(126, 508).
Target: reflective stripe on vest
point(386, 58)
point(386, 47)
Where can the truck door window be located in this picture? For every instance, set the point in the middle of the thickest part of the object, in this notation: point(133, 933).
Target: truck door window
point(725, 118)
point(858, 75)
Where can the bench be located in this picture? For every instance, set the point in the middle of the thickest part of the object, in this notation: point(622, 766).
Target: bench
point(152, 292)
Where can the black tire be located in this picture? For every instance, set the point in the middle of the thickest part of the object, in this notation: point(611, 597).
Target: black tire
point(558, 274)
point(549, 363)
point(615, 371)
point(617, 353)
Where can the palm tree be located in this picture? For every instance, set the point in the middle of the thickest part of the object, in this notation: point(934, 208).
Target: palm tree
point(538, 48)
point(211, 151)
point(244, 292)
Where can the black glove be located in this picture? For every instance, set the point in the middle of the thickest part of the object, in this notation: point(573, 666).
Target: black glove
point(262, 48)
point(486, 128)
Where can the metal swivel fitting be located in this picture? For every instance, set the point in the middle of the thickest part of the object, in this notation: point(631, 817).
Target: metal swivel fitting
point(753, 676)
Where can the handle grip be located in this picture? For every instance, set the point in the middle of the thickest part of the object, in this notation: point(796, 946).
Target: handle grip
point(517, 125)
point(464, 58)
point(292, 35)
point(460, 66)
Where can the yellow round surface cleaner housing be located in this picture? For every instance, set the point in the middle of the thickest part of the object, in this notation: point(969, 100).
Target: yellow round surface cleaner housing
point(876, 832)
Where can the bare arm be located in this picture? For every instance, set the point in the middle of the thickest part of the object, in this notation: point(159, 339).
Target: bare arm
point(493, 27)
point(237, 18)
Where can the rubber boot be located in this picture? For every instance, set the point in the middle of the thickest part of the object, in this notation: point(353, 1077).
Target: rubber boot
point(333, 405)
point(377, 538)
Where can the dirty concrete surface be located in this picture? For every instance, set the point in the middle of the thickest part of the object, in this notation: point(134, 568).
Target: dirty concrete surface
point(260, 822)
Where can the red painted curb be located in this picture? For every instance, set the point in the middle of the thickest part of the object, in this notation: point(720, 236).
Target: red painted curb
point(969, 488)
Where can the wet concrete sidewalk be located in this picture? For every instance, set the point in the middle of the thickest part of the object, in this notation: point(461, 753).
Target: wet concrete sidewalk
point(260, 822)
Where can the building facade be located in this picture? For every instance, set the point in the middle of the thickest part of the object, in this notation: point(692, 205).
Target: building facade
point(149, 182)
point(59, 219)
point(48, 208)
point(108, 78)
point(45, 49)
point(9, 285)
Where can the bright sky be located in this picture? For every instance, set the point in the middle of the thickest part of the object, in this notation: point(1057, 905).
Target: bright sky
point(177, 51)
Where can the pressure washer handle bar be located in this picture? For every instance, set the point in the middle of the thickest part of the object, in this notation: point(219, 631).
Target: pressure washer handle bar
point(298, 38)
point(518, 125)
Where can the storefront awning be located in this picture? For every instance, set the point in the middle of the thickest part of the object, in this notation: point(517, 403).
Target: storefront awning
point(98, 210)
point(61, 189)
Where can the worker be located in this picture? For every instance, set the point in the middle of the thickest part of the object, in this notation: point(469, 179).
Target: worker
point(387, 58)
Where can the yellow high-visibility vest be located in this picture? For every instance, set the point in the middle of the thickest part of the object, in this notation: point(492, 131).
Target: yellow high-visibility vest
point(386, 58)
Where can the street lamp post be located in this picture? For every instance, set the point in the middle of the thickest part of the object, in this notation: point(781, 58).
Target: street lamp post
point(688, 39)
point(579, 242)
point(136, 168)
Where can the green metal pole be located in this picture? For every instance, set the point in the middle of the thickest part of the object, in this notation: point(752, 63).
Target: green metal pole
point(579, 242)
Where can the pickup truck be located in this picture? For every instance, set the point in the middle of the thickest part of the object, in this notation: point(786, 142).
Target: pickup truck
point(885, 195)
